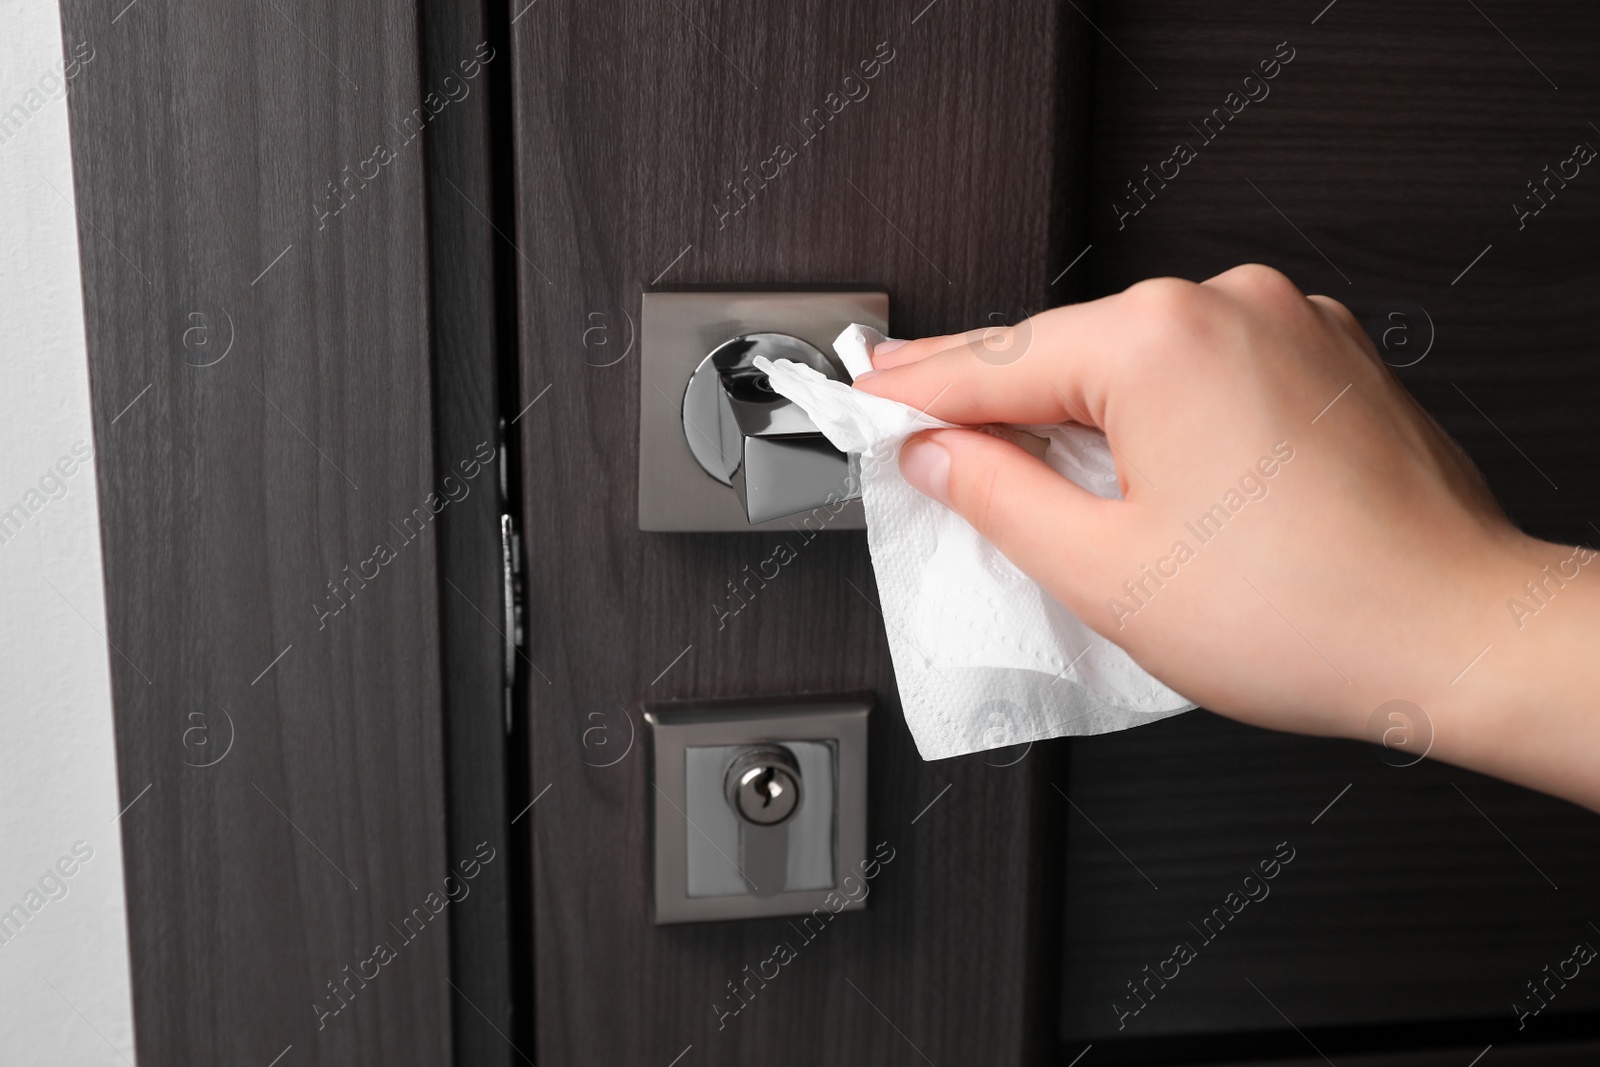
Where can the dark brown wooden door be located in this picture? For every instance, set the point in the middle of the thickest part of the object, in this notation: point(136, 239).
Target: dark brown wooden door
point(997, 160)
point(988, 169)
point(1383, 165)
point(936, 182)
point(217, 156)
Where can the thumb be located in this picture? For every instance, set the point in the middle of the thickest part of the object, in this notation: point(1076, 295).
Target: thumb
point(1045, 524)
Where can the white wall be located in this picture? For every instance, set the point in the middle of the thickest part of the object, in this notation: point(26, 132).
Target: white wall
point(64, 987)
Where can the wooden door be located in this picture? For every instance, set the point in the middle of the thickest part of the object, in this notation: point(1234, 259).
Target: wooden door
point(974, 163)
point(913, 164)
point(986, 169)
point(257, 286)
point(1383, 165)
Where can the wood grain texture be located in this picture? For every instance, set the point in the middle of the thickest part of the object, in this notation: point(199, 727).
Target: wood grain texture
point(205, 139)
point(633, 123)
point(1563, 1055)
point(1385, 160)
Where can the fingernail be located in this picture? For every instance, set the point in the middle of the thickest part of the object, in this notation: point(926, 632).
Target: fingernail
point(863, 376)
point(883, 348)
point(926, 465)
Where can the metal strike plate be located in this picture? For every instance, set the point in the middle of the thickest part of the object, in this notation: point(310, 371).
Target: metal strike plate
point(677, 331)
point(760, 805)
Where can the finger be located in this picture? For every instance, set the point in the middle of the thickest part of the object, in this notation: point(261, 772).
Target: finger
point(1047, 369)
point(1042, 522)
point(896, 353)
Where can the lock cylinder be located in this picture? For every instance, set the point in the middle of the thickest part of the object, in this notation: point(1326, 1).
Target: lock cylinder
point(763, 785)
point(763, 789)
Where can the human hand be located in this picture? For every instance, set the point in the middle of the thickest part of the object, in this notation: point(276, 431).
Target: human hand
point(1298, 543)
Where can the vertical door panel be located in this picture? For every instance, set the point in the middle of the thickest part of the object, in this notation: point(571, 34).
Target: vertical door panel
point(934, 180)
point(1382, 162)
point(255, 284)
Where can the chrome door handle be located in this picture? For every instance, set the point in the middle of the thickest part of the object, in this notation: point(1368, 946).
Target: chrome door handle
point(760, 444)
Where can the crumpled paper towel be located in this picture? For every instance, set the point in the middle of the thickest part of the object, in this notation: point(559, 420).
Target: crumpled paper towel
point(984, 657)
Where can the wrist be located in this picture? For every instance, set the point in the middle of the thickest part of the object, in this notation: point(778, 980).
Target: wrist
point(1521, 706)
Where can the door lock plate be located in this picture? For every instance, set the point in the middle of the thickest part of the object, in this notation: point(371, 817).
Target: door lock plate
point(760, 805)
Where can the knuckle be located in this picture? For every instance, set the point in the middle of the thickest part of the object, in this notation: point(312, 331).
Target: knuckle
point(1164, 299)
point(1260, 282)
point(1336, 308)
point(1165, 315)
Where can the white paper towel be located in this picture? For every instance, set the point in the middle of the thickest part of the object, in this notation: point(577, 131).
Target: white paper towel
point(984, 657)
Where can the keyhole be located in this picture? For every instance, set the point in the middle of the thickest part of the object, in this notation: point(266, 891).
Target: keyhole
point(769, 787)
point(763, 786)
point(763, 782)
